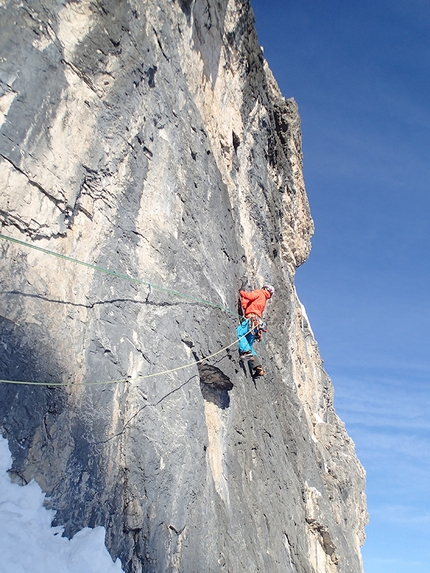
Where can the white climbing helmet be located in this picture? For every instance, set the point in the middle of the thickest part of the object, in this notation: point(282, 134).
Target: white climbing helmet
point(270, 289)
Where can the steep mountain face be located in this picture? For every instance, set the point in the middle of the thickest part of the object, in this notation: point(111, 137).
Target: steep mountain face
point(151, 139)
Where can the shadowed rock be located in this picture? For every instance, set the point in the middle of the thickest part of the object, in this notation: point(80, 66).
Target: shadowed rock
point(214, 377)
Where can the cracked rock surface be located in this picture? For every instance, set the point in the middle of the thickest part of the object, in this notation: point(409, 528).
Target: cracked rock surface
point(151, 139)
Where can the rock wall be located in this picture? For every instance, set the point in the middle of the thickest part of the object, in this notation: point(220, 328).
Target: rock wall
point(151, 139)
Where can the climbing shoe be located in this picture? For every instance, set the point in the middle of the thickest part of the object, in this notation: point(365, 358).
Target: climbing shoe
point(247, 354)
point(258, 371)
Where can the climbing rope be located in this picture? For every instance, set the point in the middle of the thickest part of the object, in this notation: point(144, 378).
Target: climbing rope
point(118, 275)
point(131, 379)
point(131, 279)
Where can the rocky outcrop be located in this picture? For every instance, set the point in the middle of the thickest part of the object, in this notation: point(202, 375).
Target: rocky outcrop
point(151, 139)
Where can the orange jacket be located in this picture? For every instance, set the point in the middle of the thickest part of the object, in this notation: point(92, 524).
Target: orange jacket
point(254, 302)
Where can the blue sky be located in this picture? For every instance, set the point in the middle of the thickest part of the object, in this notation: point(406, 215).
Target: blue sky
point(360, 73)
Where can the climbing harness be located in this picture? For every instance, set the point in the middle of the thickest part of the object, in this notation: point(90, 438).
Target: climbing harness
point(131, 279)
point(256, 325)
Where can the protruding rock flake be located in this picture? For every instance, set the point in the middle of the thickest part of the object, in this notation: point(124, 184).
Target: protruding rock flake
point(151, 141)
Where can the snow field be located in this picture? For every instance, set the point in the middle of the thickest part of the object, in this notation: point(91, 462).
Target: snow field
point(28, 543)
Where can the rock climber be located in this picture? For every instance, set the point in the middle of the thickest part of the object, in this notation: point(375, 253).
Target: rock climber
point(252, 326)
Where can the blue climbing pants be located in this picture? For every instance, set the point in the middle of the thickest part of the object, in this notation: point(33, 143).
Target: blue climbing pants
point(245, 343)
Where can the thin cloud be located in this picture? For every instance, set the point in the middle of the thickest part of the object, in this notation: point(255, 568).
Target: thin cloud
point(401, 514)
point(405, 563)
point(383, 411)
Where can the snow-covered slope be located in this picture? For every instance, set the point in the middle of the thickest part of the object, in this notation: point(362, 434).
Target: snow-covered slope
point(28, 543)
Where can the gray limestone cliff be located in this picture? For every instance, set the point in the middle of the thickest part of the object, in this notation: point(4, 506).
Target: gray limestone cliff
point(150, 138)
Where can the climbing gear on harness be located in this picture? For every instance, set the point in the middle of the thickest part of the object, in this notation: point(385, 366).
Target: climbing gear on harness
point(256, 325)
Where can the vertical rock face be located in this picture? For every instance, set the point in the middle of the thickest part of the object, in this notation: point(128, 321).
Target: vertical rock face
point(150, 138)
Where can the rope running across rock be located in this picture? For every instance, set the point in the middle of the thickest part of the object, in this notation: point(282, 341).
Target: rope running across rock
point(131, 279)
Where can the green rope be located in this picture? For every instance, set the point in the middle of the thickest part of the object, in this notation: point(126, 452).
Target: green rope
point(118, 275)
point(130, 279)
